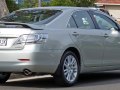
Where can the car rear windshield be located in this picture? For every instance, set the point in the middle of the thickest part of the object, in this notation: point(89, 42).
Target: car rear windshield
point(41, 16)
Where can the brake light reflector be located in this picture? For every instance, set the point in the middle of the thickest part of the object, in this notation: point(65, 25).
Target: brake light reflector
point(24, 60)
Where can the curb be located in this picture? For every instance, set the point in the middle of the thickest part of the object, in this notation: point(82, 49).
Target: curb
point(15, 76)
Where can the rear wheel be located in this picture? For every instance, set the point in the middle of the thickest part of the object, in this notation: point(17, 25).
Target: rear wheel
point(68, 70)
point(4, 77)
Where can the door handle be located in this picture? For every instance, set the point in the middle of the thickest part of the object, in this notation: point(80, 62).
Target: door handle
point(75, 34)
point(106, 35)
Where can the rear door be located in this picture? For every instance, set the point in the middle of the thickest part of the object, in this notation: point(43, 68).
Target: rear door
point(87, 38)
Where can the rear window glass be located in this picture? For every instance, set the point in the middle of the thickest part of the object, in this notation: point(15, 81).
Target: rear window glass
point(41, 16)
point(83, 20)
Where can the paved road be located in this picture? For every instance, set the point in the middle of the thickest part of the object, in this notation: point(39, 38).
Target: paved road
point(100, 81)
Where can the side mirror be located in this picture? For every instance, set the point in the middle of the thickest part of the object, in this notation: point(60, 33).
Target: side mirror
point(113, 29)
point(114, 32)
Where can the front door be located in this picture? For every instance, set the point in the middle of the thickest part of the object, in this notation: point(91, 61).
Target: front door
point(111, 36)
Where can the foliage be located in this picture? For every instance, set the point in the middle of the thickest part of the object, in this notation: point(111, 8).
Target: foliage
point(34, 3)
point(79, 3)
point(45, 3)
point(29, 4)
point(85, 3)
point(12, 6)
point(62, 3)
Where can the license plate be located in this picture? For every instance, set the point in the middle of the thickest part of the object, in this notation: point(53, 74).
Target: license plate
point(3, 41)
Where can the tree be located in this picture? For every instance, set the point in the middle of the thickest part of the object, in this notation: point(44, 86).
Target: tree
point(3, 8)
point(85, 3)
point(29, 4)
point(79, 3)
point(62, 3)
point(12, 6)
point(45, 3)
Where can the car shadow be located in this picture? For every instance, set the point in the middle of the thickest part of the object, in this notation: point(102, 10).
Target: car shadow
point(85, 80)
point(94, 79)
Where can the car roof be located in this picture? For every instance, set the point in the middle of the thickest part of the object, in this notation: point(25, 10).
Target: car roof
point(59, 8)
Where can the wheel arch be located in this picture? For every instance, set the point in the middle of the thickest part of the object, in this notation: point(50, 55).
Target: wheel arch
point(76, 51)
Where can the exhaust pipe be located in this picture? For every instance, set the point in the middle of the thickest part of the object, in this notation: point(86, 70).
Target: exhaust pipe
point(27, 72)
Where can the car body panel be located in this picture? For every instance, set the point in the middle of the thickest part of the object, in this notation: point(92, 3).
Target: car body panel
point(44, 61)
point(90, 42)
point(112, 48)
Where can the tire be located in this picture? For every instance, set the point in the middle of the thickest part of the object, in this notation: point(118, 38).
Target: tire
point(4, 77)
point(68, 70)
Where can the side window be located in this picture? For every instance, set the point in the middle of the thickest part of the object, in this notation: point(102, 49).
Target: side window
point(104, 22)
point(72, 23)
point(83, 20)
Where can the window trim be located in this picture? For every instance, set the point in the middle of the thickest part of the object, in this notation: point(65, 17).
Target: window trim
point(93, 19)
point(74, 21)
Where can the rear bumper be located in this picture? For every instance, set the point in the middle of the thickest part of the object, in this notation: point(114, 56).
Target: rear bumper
point(43, 61)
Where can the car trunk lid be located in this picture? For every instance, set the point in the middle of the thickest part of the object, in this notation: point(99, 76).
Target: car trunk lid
point(10, 32)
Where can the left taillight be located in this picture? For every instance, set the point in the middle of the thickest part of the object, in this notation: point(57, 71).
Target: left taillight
point(31, 38)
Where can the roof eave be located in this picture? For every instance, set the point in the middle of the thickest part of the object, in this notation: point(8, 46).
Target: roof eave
point(106, 4)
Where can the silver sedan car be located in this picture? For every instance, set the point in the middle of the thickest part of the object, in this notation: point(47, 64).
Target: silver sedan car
point(61, 41)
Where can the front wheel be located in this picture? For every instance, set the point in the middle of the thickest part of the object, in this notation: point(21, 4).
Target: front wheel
point(4, 77)
point(68, 70)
